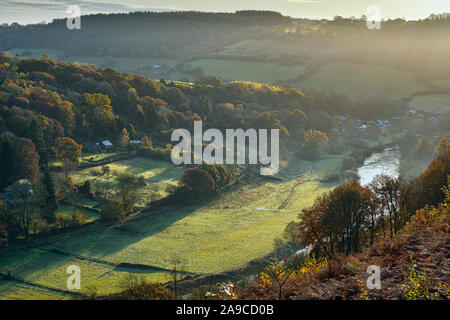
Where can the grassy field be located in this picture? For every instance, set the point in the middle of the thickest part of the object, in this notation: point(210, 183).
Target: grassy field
point(89, 158)
point(158, 174)
point(122, 64)
point(68, 211)
point(436, 103)
point(77, 200)
point(35, 53)
point(210, 237)
point(359, 80)
point(49, 269)
point(266, 72)
point(16, 290)
point(207, 238)
point(362, 80)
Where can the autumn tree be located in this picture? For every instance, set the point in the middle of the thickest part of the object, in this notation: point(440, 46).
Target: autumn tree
point(26, 164)
point(389, 193)
point(98, 105)
point(218, 172)
point(67, 150)
point(110, 211)
point(346, 215)
point(337, 220)
point(314, 140)
point(297, 119)
point(146, 143)
point(312, 229)
point(150, 107)
point(443, 147)
point(124, 138)
point(129, 191)
point(316, 137)
point(198, 182)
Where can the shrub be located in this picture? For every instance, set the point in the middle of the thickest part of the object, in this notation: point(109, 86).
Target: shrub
point(198, 181)
point(78, 218)
point(157, 153)
point(85, 188)
point(143, 290)
point(111, 212)
point(417, 286)
point(218, 172)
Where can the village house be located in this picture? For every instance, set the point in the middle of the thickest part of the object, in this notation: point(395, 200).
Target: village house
point(104, 146)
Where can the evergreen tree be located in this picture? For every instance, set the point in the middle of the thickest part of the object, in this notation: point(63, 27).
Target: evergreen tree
point(36, 135)
point(50, 203)
point(6, 164)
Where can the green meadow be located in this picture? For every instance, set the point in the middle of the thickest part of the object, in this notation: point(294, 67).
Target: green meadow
point(266, 72)
point(122, 64)
point(435, 103)
point(208, 238)
point(17, 290)
point(363, 80)
point(48, 269)
point(158, 174)
point(68, 211)
point(221, 234)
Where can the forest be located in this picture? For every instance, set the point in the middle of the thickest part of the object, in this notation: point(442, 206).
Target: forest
point(86, 176)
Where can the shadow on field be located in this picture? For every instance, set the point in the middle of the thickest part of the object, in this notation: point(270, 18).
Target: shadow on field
point(101, 240)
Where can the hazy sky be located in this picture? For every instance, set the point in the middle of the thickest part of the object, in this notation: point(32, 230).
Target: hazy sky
point(33, 11)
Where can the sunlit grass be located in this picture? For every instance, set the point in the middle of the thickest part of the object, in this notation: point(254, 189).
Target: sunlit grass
point(157, 173)
point(363, 80)
point(266, 72)
point(49, 269)
point(68, 211)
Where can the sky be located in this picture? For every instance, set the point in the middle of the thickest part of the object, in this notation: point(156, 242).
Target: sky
point(35, 11)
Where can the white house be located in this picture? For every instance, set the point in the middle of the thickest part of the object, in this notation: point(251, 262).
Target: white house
point(104, 146)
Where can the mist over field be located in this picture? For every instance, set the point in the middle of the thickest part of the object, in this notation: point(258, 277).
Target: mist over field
point(106, 191)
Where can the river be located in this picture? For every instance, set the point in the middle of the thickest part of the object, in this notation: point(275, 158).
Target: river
point(386, 161)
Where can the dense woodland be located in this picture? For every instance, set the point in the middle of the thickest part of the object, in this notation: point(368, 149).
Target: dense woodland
point(53, 112)
point(185, 35)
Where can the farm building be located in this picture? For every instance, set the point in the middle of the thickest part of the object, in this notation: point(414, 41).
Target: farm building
point(104, 146)
point(17, 192)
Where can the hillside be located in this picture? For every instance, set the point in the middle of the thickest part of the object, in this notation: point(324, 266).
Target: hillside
point(413, 263)
point(137, 42)
point(75, 138)
point(425, 244)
